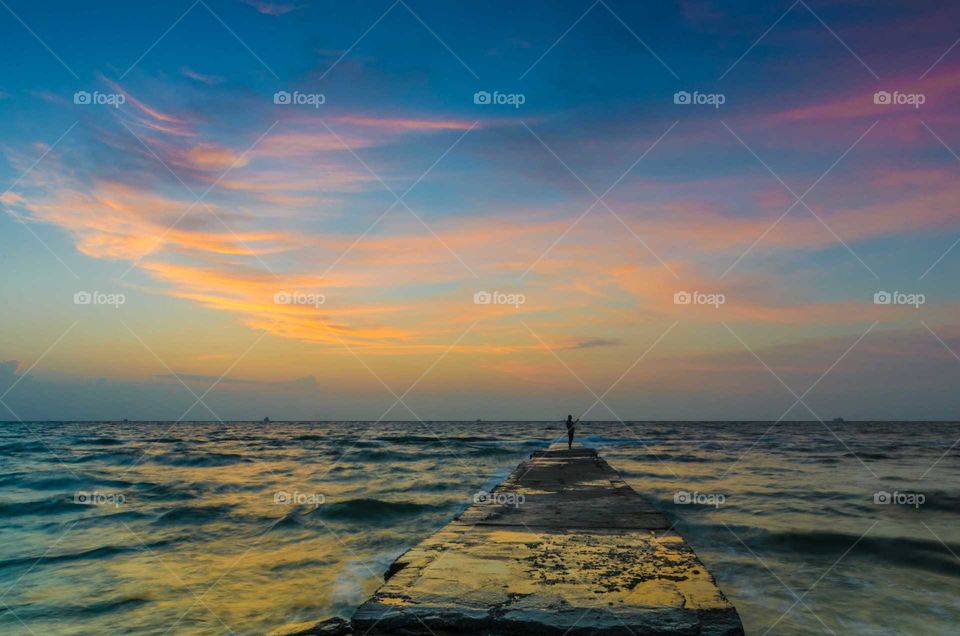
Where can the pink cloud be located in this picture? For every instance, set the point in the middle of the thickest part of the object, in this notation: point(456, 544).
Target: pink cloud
point(939, 91)
point(274, 209)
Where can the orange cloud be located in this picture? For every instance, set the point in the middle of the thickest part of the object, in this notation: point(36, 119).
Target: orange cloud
point(208, 156)
point(120, 221)
point(266, 231)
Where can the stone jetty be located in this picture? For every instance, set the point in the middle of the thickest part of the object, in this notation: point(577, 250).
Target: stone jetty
point(562, 546)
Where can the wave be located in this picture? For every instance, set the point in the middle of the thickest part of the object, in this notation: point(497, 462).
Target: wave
point(111, 518)
point(942, 501)
point(299, 565)
point(487, 451)
point(600, 440)
point(103, 607)
point(312, 437)
point(921, 554)
point(437, 487)
point(173, 491)
point(193, 515)
point(667, 456)
point(53, 506)
point(819, 460)
point(98, 441)
point(433, 451)
point(869, 455)
point(375, 456)
point(116, 457)
point(291, 520)
point(375, 510)
point(51, 483)
point(60, 611)
point(477, 438)
point(204, 459)
point(413, 439)
point(60, 482)
point(14, 448)
point(102, 552)
point(929, 555)
point(11, 479)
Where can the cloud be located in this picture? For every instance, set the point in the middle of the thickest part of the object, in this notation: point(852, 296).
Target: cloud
point(400, 124)
point(50, 98)
point(212, 157)
point(211, 80)
point(273, 8)
point(299, 213)
point(11, 198)
point(593, 343)
point(898, 121)
point(307, 382)
point(664, 385)
point(119, 221)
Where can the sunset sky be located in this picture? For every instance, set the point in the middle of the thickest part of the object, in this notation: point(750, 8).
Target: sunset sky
point(399, 198)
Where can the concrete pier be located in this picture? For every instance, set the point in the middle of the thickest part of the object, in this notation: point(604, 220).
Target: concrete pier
point(562, 546)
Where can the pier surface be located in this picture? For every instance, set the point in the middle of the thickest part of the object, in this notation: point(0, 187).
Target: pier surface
point(563, 546)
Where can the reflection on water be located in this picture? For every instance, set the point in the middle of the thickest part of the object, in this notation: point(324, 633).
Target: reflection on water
point(200, 528)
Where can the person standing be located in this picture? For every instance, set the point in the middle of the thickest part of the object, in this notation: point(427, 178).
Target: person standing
point(571, 429)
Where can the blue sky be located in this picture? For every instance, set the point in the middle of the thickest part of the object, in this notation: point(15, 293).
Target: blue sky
point(597, 200)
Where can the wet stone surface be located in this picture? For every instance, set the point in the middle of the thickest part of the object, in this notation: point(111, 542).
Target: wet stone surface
point(582, 553)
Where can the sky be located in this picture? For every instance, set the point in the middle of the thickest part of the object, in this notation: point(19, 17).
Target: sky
point(409, 210)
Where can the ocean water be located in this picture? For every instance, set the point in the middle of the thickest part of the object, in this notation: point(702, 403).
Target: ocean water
point(211, 528)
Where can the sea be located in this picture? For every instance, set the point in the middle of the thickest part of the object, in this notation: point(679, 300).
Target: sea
point(240, 527)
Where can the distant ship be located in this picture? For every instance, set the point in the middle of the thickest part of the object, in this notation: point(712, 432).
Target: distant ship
point(838, 420)
point(266, 420)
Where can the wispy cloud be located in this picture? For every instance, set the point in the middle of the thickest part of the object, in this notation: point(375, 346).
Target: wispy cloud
point(593, 343)
point(210, 80)
point(273, 8)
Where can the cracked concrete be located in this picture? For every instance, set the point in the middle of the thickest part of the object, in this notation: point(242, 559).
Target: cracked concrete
point(582, 554)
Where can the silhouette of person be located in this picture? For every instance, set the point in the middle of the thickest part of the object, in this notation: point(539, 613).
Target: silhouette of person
point(571, 428)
